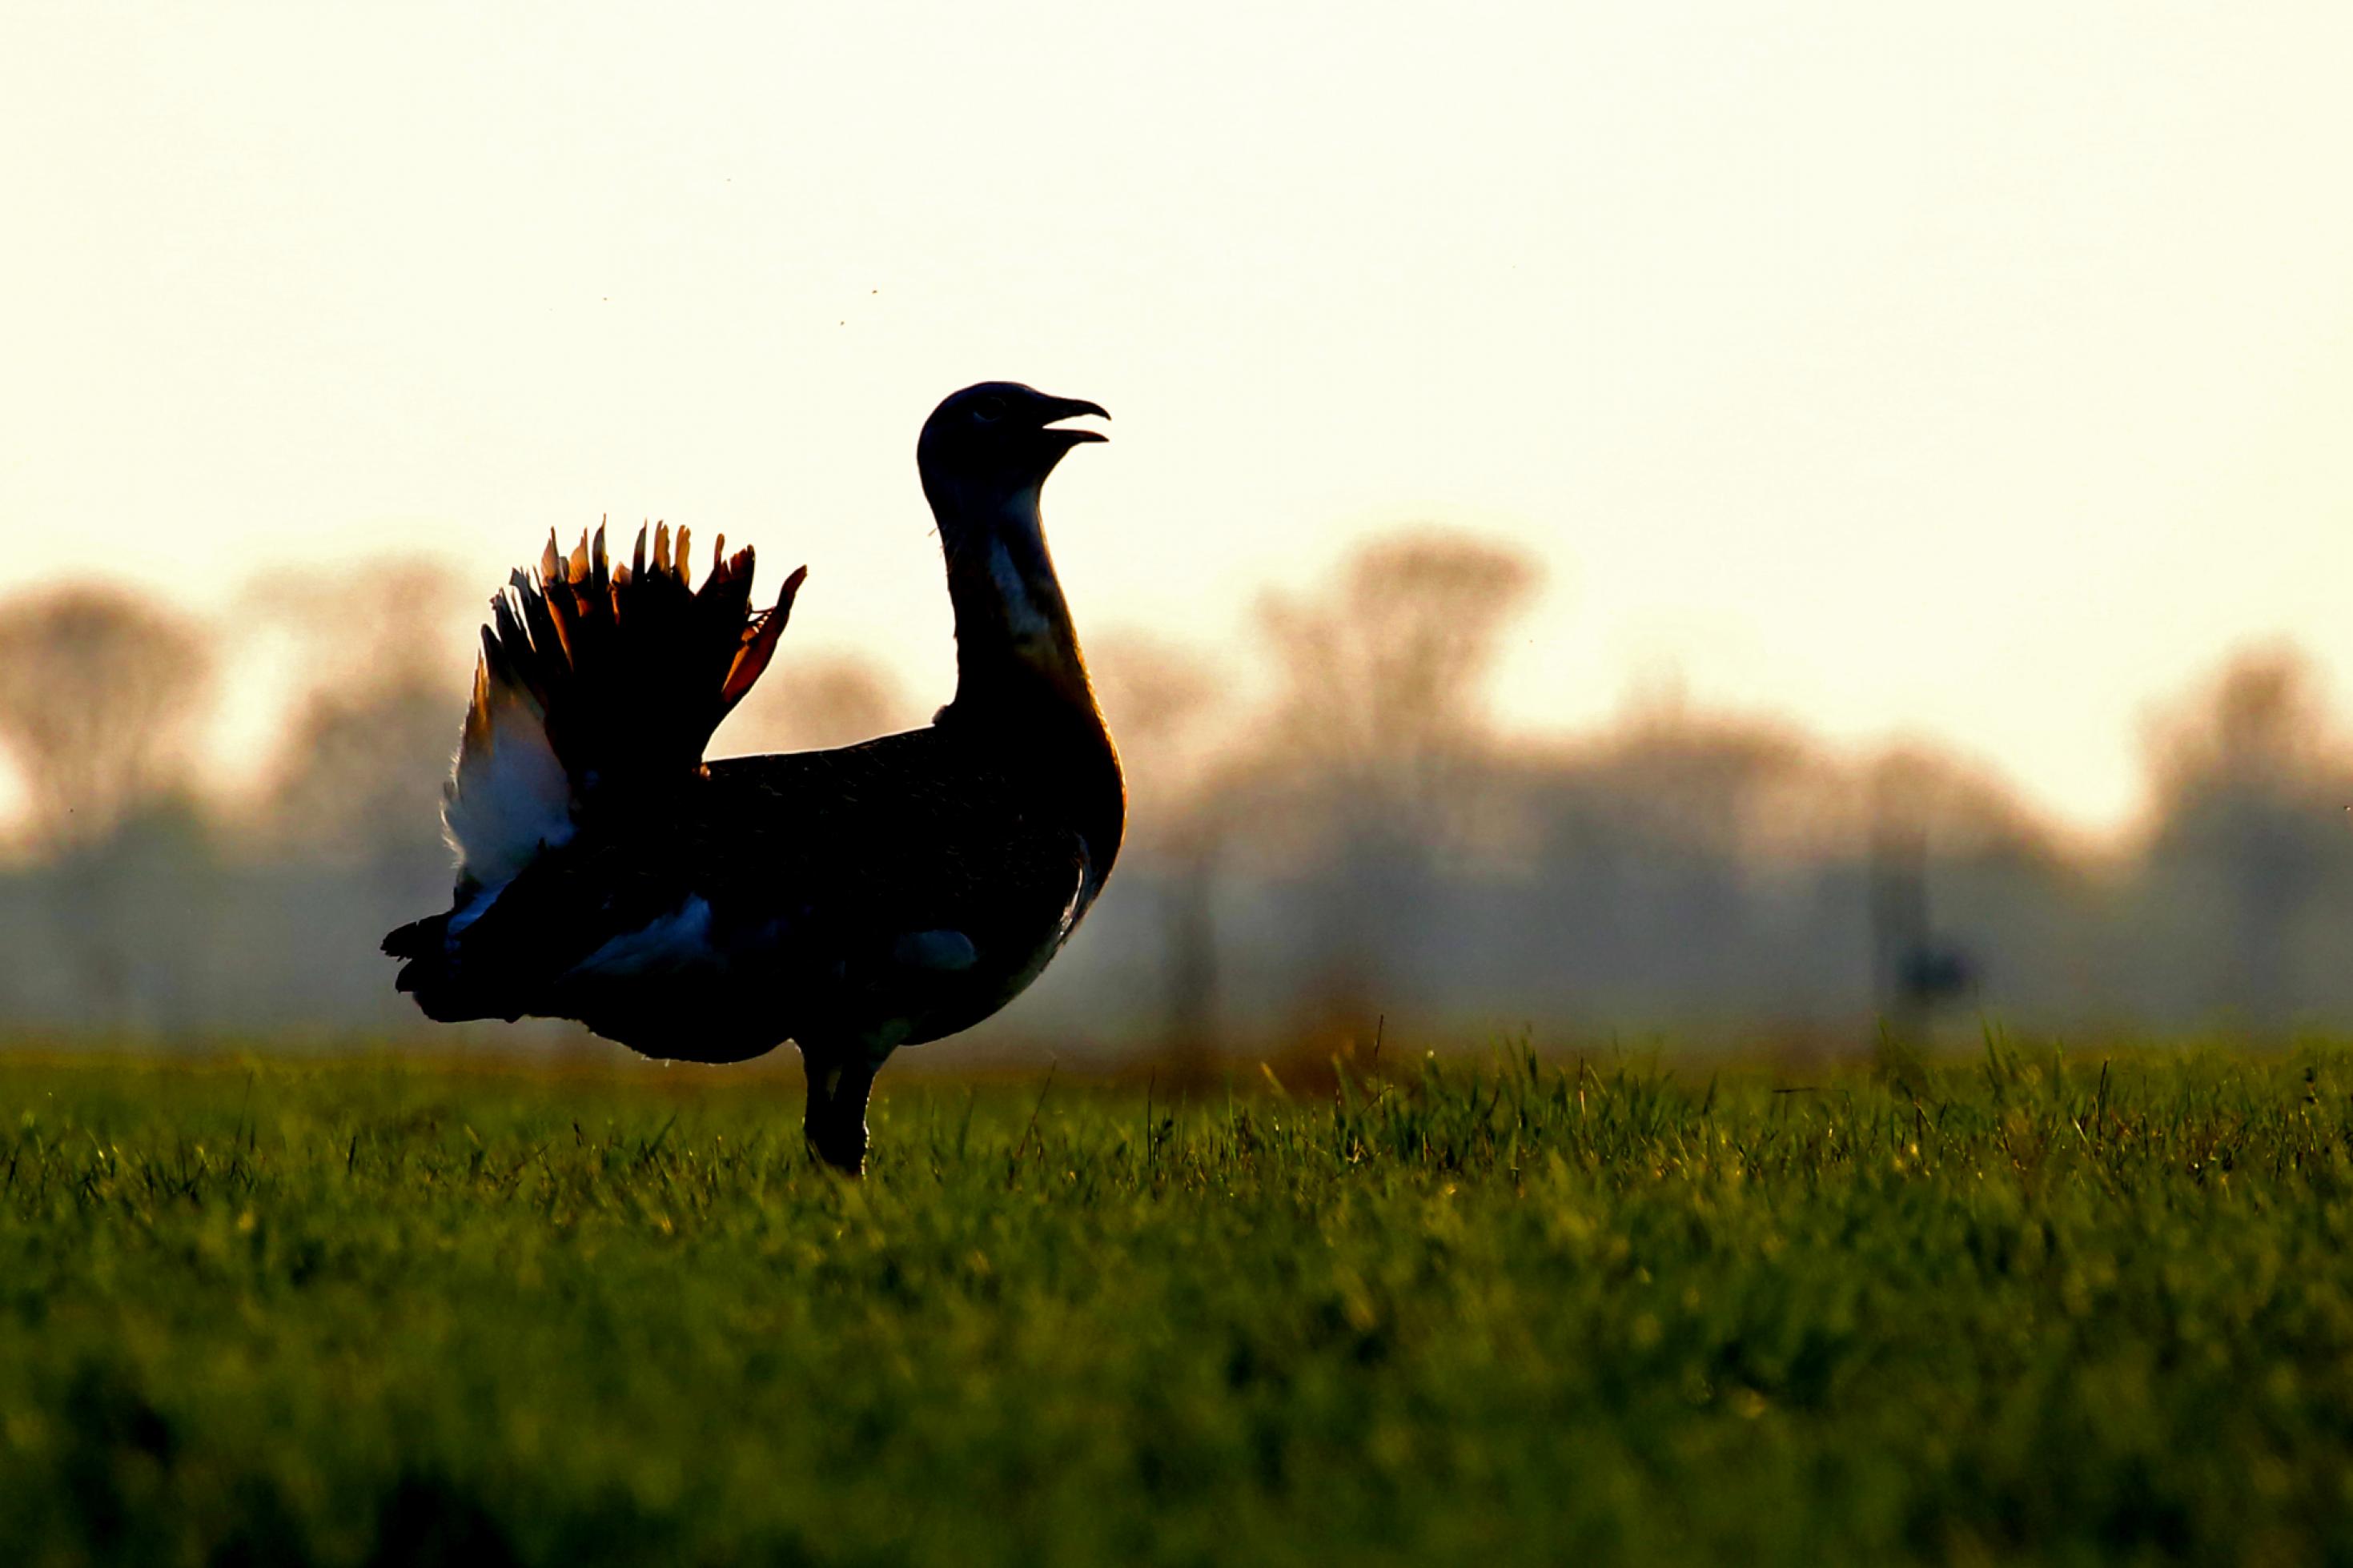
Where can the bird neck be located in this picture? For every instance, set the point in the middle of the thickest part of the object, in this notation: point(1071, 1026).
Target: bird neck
point(1016, 648)
point(1021, 682)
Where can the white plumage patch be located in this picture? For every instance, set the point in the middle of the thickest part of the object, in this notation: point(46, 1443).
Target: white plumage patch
point(476, 908)
point(943, 951)
point(1022, 616)
point(1016, 550)
point(508, 795)
point(667, 943)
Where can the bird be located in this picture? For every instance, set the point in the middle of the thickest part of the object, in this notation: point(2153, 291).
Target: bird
point(851, 901)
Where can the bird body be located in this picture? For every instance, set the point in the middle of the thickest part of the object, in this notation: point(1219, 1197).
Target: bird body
point(852, 901)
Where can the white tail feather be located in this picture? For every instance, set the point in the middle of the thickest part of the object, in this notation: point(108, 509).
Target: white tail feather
point(508, 797)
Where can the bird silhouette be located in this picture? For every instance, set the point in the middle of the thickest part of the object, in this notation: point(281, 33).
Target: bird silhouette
point(851, 900)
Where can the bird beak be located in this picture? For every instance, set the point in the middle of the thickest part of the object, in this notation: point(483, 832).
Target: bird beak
point(1062, 409)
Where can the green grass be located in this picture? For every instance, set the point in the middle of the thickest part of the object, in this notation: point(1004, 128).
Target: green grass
point(2020, 1307)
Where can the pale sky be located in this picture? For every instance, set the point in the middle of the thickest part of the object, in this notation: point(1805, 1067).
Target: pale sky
point(1979, 373)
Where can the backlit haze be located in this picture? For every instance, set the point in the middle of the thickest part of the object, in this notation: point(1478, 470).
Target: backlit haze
point(1977, 373)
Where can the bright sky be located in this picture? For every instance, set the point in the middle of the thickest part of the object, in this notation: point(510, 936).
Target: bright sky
point(1982, 372)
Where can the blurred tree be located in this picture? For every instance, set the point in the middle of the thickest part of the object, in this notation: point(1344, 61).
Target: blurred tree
point(1163, 702)
point(810, 702)
point(376, 656)
point(2261, 726)
point(1384, 675)
point(1160, 699)
point(362, 771)
point(374, 659)
point(1380, 724)
point(2251, 782)
point(97, 692)
point(1648, 850)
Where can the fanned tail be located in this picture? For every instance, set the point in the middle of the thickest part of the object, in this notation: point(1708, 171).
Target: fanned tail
point(599, 683)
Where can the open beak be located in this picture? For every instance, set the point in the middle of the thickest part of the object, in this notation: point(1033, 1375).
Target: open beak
point(1062, 409)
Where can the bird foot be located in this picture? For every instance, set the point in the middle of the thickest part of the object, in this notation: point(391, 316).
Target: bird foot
point(835, 1123)
point(847, 1155)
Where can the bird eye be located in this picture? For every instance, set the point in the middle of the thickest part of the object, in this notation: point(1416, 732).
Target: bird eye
point(989, 409)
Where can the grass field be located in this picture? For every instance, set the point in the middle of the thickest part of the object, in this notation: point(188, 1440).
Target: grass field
point(2023, 1306)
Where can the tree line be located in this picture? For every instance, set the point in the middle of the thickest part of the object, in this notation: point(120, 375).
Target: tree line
point(1329, 828)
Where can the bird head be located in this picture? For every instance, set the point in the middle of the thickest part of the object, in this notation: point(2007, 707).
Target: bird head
point(990, 443)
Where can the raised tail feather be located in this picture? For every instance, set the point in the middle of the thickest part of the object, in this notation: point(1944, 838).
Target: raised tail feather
point(596, 684)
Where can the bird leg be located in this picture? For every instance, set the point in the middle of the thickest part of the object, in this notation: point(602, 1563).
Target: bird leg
point(835, 1123)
